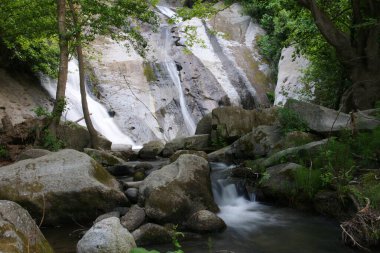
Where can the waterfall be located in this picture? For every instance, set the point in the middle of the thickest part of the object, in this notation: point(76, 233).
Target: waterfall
point(101, 120)
point(173, 72)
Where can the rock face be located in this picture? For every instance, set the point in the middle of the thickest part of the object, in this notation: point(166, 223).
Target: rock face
point(325, 120)
point(196, 142)
point(230, 123)
point(107, 236)
point(178, 190)
point(19, 232)
point(205, 221)
point(289, 83)
point(68, 184)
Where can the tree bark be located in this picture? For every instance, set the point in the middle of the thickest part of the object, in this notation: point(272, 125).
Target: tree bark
point(63, 63)
point(94, 138)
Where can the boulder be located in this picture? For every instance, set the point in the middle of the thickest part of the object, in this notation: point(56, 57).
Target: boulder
point(259, 142)
point(230, 123)
point(178, 153)
point(178, 190)
point(77, 137)
point(19, 232)
point(103, 157)
point(32, 153)
point(132, 194)
point(204, 125)
point(205, 221)
point(107, 215)
point(152, 234)
point(221, 155)
point(195, 142)
point(66, 185)
point(133, 218)
point(106, 236)
point(324, 120)
point(151, 149)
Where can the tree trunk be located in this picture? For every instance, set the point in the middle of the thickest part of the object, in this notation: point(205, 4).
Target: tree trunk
point(63, 64)
point(94, 138)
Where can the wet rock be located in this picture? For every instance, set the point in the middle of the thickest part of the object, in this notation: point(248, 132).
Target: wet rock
point(106, 236)
point(133, 218)
point(68, 185)
point(143, 166)
point(178, 153)
point(186, 186)
point(132, 194)
point(151, 234)
point(221, 155)
point(121, 170)
point(151, 149)
point(205, 221)
point(19, 232)
point(107, 215)
point(196, 142)
point(32, 153)
point(138, 176)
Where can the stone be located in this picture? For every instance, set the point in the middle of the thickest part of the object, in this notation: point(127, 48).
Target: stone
point(178, 153)
point(221, 155)
point(68, 185)
point(121, 170)
point(204, 125)
point(324, 120)
point(195, 142)
point(32, 153)
point(151, 149)
point(19, 232)
point(121, 209)
point(205, 221)
point(151, 234)
point(106, 236)
point(186, 186)
point(132, 194)
point(231, 123)
point(103, 157)
point(107, 215)
point(133, 218)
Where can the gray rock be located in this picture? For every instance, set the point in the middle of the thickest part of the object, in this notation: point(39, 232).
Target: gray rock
point(186, 186)
point(221, 155)
point(32, 153)
point(107, 215)
point(178, 153)
point(19, 231)
point(151, 234)
point(151, 149)
point(68, 184)
point(325, 120)
point(204, 125)
point(103, 157)
point(132, 194)
point(133, 218)
point(205, 221)
point(106, 236)
point(121, 210)
point(196, 142)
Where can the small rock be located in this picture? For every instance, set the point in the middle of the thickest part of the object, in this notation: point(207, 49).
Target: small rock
point(205, 221)
point(121, 210)
point(151, 149)
point(107, 215)
point(151, 234)
point(132, 194)
point(178, 153)
point(133, 218)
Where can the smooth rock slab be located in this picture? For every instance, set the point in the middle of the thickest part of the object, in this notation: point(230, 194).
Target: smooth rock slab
point(68, 185)
point(107, 236)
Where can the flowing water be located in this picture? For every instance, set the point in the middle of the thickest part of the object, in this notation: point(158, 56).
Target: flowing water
point(100, 117)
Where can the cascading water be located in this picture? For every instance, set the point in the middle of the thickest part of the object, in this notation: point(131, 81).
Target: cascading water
point(101, 120)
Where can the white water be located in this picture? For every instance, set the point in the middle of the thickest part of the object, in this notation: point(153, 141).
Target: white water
point(101, 120)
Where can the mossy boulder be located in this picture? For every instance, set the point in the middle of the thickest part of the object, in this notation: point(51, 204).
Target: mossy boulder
point(67, 185)
point(151, 149)
point(178, 153)
point(204, 125)
point(151, 233)
point(19, 232)
point(178, 190)
point(103, 157)
point(195, 142)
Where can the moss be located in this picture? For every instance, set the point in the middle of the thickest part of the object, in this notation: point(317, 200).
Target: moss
point(149, 73)
point(100, 174)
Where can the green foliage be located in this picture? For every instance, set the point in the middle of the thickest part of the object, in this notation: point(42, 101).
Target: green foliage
point(4, 154)
point(50, 142)
point(366, 146)
point(41, 112)
point(149, 73)
point(142, 250)
point(371, 189)
point(291, 121)
point(308, 181)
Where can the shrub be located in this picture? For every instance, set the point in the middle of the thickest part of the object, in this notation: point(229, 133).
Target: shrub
point(50, 142)
point(291, 121)
point(308, 181)
point(4, 152)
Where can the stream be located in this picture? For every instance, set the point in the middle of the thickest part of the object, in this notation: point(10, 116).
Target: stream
point(252, 227)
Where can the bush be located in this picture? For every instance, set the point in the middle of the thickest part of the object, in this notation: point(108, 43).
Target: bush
point(50, 142)
point(308, 181)
point(4, 152)
point(291, 121)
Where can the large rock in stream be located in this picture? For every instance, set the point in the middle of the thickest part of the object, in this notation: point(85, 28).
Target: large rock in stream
point(65, 186)
point(19, 232)
point(178, 190)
